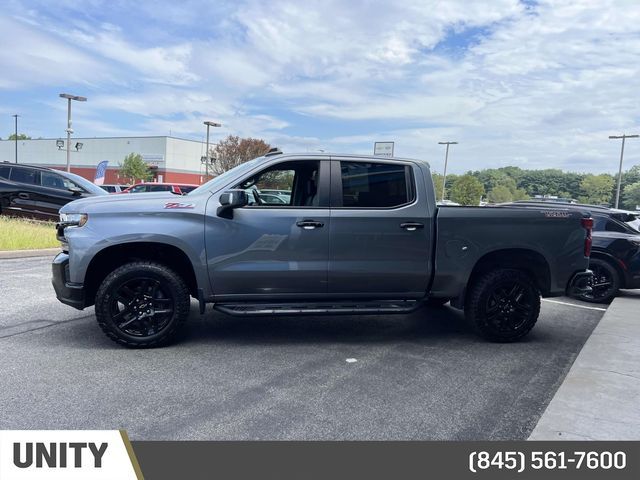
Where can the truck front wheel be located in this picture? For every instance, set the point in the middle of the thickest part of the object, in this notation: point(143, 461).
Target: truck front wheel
point(503, 305)
point(142, 304)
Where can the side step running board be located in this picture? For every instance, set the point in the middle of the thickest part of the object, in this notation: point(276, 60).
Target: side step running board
point(315, 308)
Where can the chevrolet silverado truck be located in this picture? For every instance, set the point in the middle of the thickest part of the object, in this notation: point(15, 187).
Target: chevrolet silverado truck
point(356, 235)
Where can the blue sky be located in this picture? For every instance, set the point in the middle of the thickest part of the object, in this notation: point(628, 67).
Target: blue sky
point(533, 84)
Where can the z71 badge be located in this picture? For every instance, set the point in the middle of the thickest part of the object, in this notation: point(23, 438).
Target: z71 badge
point(179, 205)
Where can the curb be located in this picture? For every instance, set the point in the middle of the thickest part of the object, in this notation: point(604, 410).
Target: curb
point(43, 252)
point(598, 399)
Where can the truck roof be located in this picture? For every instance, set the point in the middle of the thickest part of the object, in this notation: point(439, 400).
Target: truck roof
point(316, 155)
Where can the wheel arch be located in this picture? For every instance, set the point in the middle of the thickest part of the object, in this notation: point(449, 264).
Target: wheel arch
point(607, 257)
point(527, 260)
point(112, 257)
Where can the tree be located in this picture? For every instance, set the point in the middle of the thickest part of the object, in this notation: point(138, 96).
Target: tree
point(597, 189)
point(135, 168)
point(467, 190)
point(437, 184)
point(500, 194)
point(632, 195)
point(21, 136)
point(233, 150)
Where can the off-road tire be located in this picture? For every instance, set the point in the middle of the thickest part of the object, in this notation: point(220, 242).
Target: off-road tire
point(513, 295)
point(171, 283)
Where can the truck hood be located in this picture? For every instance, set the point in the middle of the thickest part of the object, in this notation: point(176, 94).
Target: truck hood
point(128, 202)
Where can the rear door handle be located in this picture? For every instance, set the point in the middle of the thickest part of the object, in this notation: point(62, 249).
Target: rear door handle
point(309, 224)
point(24, 196)
point(411, 226)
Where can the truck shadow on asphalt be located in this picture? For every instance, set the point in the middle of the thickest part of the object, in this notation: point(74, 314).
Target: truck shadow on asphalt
point(424, 324)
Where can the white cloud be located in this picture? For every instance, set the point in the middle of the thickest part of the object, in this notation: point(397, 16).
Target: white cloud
point(542, 85)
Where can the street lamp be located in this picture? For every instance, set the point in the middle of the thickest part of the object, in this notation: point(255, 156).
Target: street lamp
point(16, 135)
point(623, 137)
point(70, 97)
point(446, 159)
point(209, 124)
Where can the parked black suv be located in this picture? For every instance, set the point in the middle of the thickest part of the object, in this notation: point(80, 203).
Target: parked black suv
point(615, 254)
point(39, 192)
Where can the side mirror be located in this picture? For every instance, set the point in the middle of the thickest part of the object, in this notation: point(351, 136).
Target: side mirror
point(75, 190)
point(231, 200)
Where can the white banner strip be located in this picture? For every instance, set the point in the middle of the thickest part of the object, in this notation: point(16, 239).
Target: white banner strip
point(67, 455)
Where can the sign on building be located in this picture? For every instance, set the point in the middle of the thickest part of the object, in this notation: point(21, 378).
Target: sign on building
point(383, 149)
point(153, 160)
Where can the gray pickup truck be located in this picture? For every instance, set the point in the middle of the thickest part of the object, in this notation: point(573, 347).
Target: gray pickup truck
point(349, 235)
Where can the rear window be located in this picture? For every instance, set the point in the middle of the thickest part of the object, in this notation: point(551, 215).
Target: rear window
point(159, 188)
point(23, 175)
point(375, 185)
point(605, 224)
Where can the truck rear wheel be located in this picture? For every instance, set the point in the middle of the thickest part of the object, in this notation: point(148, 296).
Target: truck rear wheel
point(142, 305)
point(503, 305)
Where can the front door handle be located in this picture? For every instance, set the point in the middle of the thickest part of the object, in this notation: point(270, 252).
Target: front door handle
point(411, 226)
point(309, 224)
point(24, 196)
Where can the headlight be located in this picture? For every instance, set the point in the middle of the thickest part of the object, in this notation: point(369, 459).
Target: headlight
point(73, 219)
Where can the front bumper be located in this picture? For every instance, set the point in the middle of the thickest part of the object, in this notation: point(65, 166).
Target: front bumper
point(71, 294)
point(579, 283)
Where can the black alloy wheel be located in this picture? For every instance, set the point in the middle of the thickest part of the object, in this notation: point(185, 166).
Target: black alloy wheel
point(503, 305)
point(141, 307)
point(604, 284)
point(142, 304)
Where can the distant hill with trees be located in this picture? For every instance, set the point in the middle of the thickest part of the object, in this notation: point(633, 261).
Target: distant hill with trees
point(514, 183)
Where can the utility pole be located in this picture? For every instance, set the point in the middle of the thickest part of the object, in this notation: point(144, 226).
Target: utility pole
point(16, 135)
point(623, 137)
point(446, 160)
point(69, 129)
point(209, 124)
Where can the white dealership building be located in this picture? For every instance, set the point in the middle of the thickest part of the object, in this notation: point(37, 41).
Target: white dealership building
point(172, 159)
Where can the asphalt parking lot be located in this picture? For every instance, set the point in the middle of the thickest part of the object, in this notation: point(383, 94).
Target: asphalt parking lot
point(421, 376)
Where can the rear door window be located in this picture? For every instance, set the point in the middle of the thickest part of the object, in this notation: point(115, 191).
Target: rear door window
point(375, 185)
point(4, 171)
point(24, 175)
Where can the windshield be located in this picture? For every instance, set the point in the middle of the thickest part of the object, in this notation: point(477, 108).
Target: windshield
point(221, 179)
point(84, 183)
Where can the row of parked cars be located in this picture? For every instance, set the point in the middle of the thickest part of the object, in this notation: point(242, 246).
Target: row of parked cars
point(39, 192)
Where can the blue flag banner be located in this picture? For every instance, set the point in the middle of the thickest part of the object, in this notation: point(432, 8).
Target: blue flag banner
point(101, 171)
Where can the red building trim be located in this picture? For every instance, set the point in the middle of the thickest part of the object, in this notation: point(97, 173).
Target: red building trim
point(112, 177)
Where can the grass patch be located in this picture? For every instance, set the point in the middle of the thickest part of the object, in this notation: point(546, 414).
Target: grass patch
point(22, 234)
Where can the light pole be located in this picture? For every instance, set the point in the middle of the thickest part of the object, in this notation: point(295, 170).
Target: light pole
point(70, 97)
point(209, 124)
point(446, 159)
point(623, 137)
point(16, 135)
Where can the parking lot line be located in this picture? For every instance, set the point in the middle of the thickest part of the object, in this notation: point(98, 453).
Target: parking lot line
point(600, 309)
